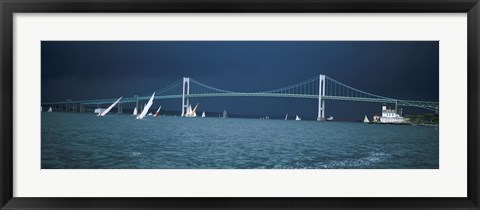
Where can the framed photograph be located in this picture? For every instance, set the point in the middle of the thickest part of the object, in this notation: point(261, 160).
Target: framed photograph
point(239, 105)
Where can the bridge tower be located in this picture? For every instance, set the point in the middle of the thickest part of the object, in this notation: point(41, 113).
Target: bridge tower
point(185, 92)
point(321, 101)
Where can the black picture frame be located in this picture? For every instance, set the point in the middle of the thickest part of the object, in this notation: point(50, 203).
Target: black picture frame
point(9, 7)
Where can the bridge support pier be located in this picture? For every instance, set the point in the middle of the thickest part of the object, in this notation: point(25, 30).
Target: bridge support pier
point(185, 93)
point(321, 101)
point(136, 105)
point(119, 109)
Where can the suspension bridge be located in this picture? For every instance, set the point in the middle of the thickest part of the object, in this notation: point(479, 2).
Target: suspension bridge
point(320, 87)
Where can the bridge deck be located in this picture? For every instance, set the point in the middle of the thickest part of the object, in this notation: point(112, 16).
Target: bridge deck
point(423, 104)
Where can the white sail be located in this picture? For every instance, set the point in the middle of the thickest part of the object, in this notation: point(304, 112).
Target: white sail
point(49, 109)
point(194, 111)
point(135, 112)
point(224, 114)
point(109, 108)
point(286, 117)
point(146, 107)
point(203, 114)
point(189, 111)
point(158, 110)
point(297, 118)
point(365, 120)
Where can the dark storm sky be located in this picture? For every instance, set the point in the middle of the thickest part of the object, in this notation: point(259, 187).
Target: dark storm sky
point(91, 70)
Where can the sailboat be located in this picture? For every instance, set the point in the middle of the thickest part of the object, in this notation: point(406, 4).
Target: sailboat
point(297, 118)
point(109, 108)
point(286, 117)
point(158, 110)
point(190, 112)
point(194, 111)
point(224, 114)
point(203, 114)
point(146, 107)
point(135, 112)
point(49, 109)
point(365, 120)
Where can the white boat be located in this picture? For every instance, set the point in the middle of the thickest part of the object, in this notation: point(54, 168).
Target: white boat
point(49, 109)
point(135, 111)
point(365, 120)
point(224, 114)
point(109, 108)
point(194, 111)
point(158, 110)
point(286, 117)
point(203, 114)
point(99, 110)
point(297, 118)
point(329, 118)
point(189, 110)
point(150, 114)
point(146, 107)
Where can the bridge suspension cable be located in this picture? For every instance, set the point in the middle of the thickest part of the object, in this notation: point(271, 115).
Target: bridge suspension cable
point(307, 87)
point(169, 88)
point(202, 88)
point(334, 90)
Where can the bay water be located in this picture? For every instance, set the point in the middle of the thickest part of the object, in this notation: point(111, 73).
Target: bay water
point(86, 141)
